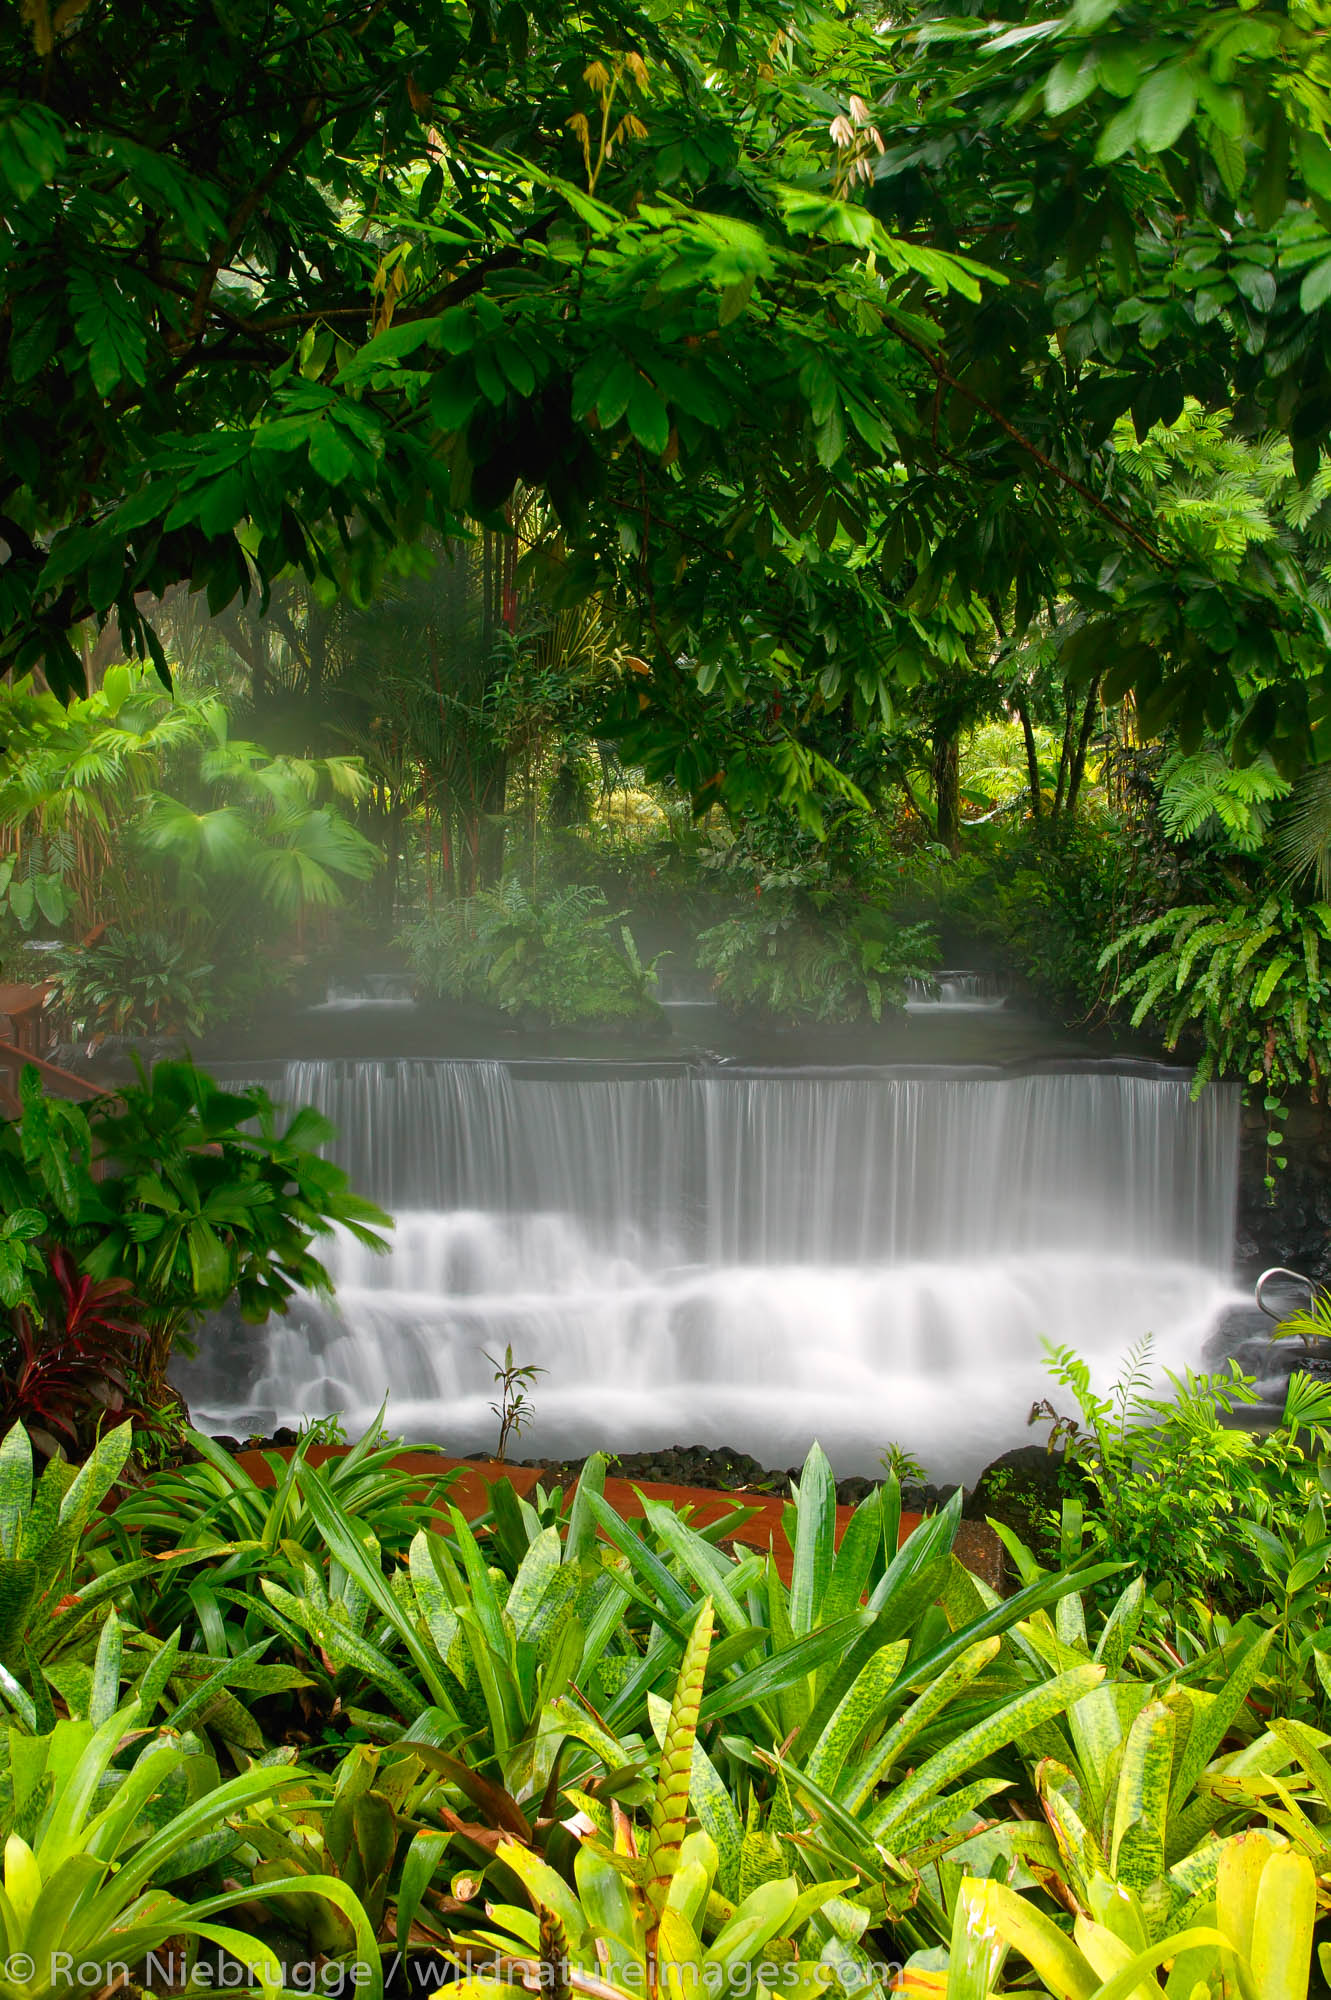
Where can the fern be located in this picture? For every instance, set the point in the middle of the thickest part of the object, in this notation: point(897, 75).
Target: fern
point(797, 956)
point(1247, 980)
point(565, 957)
point(1203, 794)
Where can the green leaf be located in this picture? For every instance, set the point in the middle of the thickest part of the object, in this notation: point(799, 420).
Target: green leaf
point(1316, 287)
point(1271, 978)
point(785, 1668)
point(1118, 135)
point(1069, 83)
point(615, 393)
point(15, 1486)
point(330, 455)
point(815, 1541)
point(110, 326)
point(453, 395)
point(1137, 1854)
point(1013, 1719)
point(670, 1808)
point(1308, 1568)
point(1052, 1956)
point(856, 1713)
point(649, 420)
point(1164, 105)
point(734, 300)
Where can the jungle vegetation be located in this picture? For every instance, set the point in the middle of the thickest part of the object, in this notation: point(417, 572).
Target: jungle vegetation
point(477, 480)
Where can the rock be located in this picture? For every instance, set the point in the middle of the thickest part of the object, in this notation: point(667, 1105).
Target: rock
point(978, 1547)
point(1022, 1489)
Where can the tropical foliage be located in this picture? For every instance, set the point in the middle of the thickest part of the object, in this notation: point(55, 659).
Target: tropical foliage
point(133, 984)
point(325, 1715)
point(960, 490)
point(562, 957)
point(152, 1206)
point(137, 823)
point(907, 284)
point(1246, 977)
point(800, 953)
point(873, 458)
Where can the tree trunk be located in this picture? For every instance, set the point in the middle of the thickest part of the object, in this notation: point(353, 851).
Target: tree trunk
point(429, 858)
point(317, 627)
point(1083, 744)
point(389, 819)
point(447, 873)
point(947, 791)
point(533, 804)
point(492, 784)
point(1032, 757)
point(1065, 753)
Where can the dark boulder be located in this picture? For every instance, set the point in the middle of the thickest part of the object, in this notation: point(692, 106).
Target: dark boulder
point(1025, 1490)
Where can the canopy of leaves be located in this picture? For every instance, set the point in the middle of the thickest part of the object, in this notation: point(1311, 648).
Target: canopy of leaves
point(815, 329)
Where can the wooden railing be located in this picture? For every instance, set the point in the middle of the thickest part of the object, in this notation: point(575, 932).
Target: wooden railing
point(60, 1082)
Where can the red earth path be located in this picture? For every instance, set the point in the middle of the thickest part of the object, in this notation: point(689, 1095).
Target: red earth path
point(976, 1545)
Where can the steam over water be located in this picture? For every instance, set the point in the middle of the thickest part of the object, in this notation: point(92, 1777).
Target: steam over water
point(743, 1257)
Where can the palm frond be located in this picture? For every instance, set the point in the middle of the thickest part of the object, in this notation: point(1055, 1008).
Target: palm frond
point(1303, 838)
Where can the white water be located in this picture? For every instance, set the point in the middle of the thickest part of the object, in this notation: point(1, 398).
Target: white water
point(750, 1259)
point(963, 992)
point(378, 991)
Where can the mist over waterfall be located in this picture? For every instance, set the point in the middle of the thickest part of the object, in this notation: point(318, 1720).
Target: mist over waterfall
point(749, 1257)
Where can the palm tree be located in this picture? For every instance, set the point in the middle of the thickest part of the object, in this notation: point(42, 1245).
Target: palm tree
point(151, 818)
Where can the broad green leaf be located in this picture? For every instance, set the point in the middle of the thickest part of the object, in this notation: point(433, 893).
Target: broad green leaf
point(1141, 1801)
point(955, 1759)
point(1164, 105)
point(814, 1543)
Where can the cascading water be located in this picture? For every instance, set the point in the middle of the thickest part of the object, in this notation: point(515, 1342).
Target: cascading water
point(374, 990)
point(756, 1258)
point(973, 992)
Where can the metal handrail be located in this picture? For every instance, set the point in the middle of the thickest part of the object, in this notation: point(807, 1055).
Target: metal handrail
point(1283, 1271)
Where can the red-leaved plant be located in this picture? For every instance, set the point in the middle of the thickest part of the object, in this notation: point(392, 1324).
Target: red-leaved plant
point(63, 1367)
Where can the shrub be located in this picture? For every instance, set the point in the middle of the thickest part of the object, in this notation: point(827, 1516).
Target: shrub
point(563, 958)
point(66, 1356)
point(196, 1194)
point(820, 957)
point(1244, 977)
point(438, 1723)
point(131, 983)
point(1174, 1488)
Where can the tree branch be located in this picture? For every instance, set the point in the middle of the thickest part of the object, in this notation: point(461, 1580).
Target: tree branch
point(244, 212)
point(945, 377)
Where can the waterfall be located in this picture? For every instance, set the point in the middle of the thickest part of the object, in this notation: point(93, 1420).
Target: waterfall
point(969, 992)
point(749, 1257)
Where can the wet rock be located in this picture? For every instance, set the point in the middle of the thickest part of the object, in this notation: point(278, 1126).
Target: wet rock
point(1024, 1489)
point(1290, 1222)
point(978, 1547)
